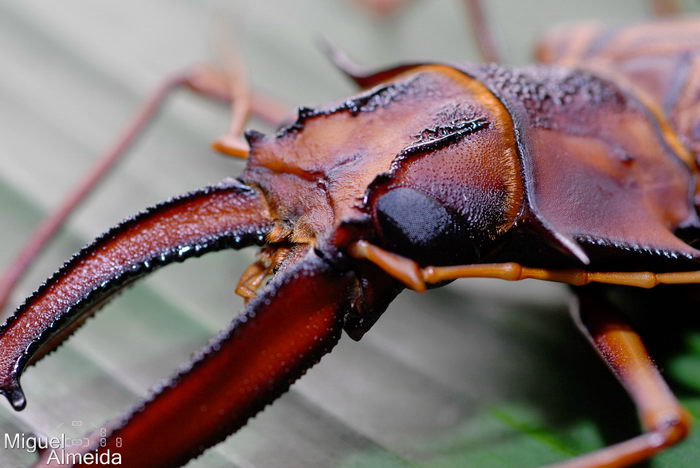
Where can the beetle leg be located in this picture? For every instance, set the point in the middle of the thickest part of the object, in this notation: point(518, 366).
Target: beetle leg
point(512, 271)
point(203, 80)
point(283, 332)
point(408, 272)
point(666, 422)
point(576, 277)
point(382, 7)
point(665, 8)
point(403, 269)
point(483, 36)
point(229, 215)
point(214, 83)
point(485, 41)
point(232, 143)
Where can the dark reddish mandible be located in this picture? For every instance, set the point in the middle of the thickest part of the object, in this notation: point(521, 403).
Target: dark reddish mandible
point(580, 171)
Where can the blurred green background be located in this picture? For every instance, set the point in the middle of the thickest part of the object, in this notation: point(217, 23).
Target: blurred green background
point(477, 374)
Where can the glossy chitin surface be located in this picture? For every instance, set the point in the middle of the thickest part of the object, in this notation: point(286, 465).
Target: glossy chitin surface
point(227, 215)
point(659, 61)
point(477, 154)
point(599, 169)
point(282, 333)
point(316, 172)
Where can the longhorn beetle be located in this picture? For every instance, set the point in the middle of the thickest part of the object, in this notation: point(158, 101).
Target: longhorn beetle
point(579, 170)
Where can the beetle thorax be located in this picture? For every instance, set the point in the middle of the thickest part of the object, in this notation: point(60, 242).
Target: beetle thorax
point(434, 130)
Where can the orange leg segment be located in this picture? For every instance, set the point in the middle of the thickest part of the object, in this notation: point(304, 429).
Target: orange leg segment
point(665, 421)
point(235, 79)
point(408, 271)
point(401, 268)
point(576, 277)
point(618, 344)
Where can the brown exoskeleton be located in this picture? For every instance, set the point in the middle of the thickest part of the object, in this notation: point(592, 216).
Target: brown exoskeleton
point(577, 173)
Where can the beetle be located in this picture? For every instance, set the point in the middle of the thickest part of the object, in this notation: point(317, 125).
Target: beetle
point(355, 246)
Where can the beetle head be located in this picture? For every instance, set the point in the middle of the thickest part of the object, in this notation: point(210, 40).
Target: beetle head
point(424, 165)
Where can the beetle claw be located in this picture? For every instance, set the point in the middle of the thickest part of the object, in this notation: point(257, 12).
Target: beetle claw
point(286, 330)
point(15, 395)
point(173, 231)
point(232, 145)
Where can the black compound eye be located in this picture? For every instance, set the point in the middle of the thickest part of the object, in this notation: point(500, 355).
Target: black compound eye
point(418, 226)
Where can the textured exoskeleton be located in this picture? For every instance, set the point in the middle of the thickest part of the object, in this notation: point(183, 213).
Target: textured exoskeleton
point(579, 171)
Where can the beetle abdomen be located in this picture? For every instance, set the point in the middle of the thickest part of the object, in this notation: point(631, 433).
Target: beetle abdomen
point(598, 168)
point(659, 60)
